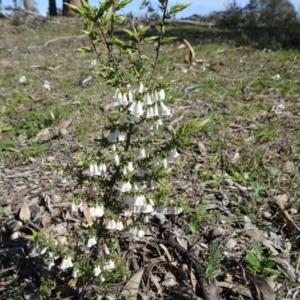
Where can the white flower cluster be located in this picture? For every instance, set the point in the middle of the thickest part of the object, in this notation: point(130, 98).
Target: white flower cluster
point(278, 109)
point(97, 271)
point(150, 104)
point(171, 210)
point(114, 225)
point(22, 79)
point(66, 263)
point(76, 207)
point(96, 211)
point(98, 170)
point(46, 85)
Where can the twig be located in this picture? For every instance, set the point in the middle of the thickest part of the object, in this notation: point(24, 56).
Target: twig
point(64, 38)
point(197, 265)
point(204, 24)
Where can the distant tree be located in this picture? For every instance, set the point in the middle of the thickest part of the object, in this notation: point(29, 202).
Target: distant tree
point(272, 11)
point(52, 8)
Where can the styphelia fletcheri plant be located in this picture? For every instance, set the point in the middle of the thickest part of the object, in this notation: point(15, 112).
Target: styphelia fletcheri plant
point(125, 176)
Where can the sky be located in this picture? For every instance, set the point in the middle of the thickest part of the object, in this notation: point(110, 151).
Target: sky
point(201, 7)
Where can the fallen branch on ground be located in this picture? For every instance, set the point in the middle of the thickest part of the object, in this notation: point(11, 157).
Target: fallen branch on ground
point(200, 275)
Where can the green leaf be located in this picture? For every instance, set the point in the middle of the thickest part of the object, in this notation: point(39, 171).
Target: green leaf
point(194, 224)
point(177, 8)
point(150, 39)
point(108, 15)
point(85, 49)
point(76, 9)
point(132, 34)
point(86, 6)
point(168, 40)
point(122, 4)
point(106, 5)
point(252, 259)
point(117, 42)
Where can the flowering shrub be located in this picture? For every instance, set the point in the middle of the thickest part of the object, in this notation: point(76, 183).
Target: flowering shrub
point(126, 176)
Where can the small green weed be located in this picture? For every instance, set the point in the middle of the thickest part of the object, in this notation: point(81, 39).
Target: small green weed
point(214, 258)
point(201, 216)
point(46, 286)
point(257, 263)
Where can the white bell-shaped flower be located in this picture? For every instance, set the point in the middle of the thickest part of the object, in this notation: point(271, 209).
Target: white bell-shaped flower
point(173, 154)
point(109, 265)
point(141, 88)
point(106, 250)
point(113, 136)
point(93, 169)
point(91, 242)
point(119, 226)
point(155, 110)
point(122, 136)
point(117, 159)
point(161, 94)
point(142, 152)
point(153, 185)
point(124, 170)
point(147, 208)
point(124, 186)
point(66, 263)
point(164, 163)
point(164, 110)
point(130, 96)
point(130, 167)
point(155, 162)
point(75, 273)
point(124, 100)
point(123, 118)
point(149, 112)
point(51, 264)
point(99, 211)
point(158, 123)
point(139, 200)
point(74, 208)
point(140, 233)
point(110, 224)
point(102, 169)
point(92, 211)
point(138, 109)
point(147, 100)
point(97, 271)
point(146, 220)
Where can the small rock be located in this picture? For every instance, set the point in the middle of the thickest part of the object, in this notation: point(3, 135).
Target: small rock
point(267, 215)
point(13, 225)
point(294, 211)
point(219, 231)
point(63, 132)
point(62, 240)
point(56, 198)
point(32, 160)
point(50, 158)
point(229, 182)
point(35, 212)
point(161, 218)
point(15, 235)
point(231, 244)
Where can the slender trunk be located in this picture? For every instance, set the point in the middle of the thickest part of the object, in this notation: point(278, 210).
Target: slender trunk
point(28, 4)
point(52, 8)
